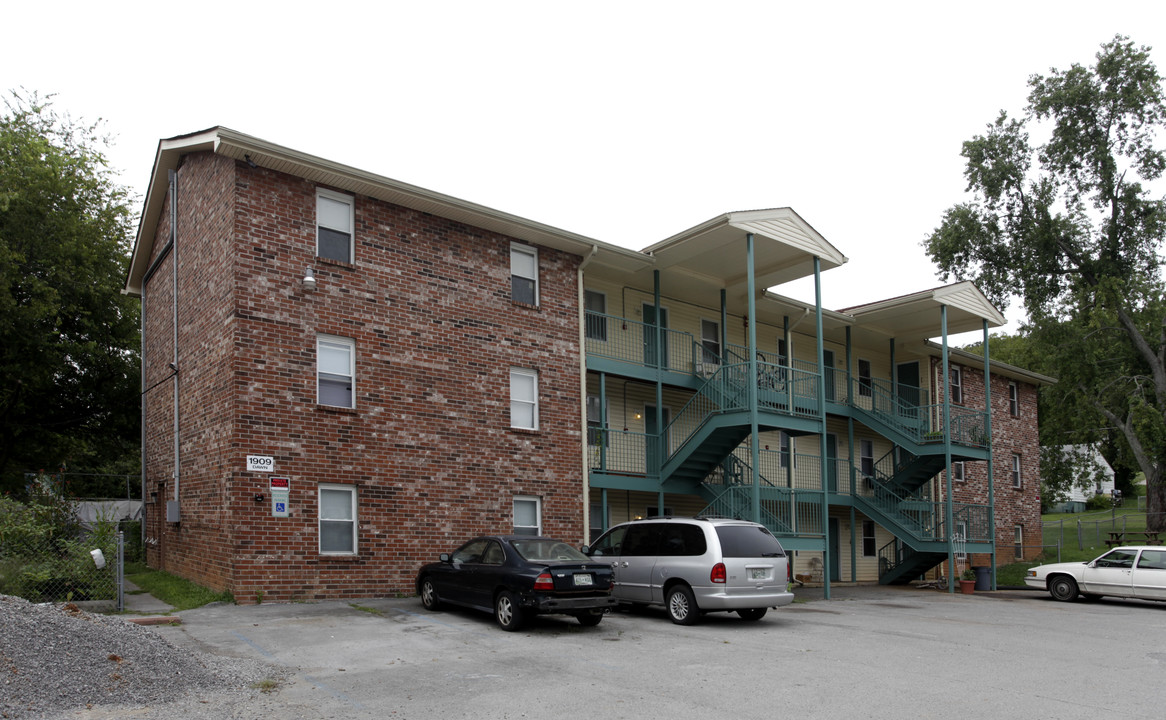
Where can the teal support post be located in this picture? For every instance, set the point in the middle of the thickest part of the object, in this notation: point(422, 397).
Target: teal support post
point(661, 452)
point(603, 509)
point(850, 455)
point(603, 423)
point(822, 436)
point(949, 520)
point(724, 327)
point(754, 420)
point(991, 450)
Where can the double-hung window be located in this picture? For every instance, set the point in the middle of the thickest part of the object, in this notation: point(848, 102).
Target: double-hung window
point(1013, 400)
point(523, 399)
point(595, 319)
point(1016, 471)
point(1018, 541)
point(337, 520)
point(527, 516)
point(957, 384)
point(336, 371)
point(334, 221)
point(523, 274)
point(869, 545)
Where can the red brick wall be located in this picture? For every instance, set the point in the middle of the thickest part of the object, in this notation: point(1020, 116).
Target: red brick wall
point(199, 546)
point(428, 446)
point(1010, 435)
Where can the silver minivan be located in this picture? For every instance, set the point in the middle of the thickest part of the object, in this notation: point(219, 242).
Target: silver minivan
point(696, 565)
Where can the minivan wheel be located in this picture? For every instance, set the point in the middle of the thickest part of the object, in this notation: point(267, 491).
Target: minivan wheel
point(681, 606)
point(752, 613)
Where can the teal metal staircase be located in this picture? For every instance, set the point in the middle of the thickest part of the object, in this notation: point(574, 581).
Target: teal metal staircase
point(899, 563)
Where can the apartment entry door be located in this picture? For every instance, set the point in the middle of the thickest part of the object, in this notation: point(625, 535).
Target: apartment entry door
point(653, 354)
point(907, 379)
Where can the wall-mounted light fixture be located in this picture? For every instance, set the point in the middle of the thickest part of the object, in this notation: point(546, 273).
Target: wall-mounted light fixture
point(309, 281)
point(638, 416)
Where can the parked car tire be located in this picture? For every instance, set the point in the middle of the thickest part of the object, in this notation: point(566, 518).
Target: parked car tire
point(429, 597)
point(681, 605)
point(1063, 588)
point(589, 619)
point(753, 613)
point(507, 611)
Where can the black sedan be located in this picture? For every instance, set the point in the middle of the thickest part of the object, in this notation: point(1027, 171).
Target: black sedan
point(516, 576)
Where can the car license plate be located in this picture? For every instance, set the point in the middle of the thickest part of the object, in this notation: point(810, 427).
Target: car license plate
point(583, 580)
point(758, 573)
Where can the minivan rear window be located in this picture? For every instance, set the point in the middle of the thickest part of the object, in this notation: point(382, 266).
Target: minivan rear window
point(746, 541)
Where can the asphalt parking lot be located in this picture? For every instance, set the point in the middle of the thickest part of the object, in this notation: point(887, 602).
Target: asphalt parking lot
point(867, 653)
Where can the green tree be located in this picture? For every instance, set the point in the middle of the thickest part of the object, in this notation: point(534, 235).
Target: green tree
point(68, 337)
point(1071, 227)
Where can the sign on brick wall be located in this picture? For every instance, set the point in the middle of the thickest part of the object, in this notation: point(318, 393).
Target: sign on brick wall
point(280, 496)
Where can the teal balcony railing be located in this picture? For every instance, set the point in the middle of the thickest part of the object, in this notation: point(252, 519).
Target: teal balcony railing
point(637, 342)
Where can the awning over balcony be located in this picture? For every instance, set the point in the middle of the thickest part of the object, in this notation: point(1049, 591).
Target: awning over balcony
point(701, 261)
point(917, 315)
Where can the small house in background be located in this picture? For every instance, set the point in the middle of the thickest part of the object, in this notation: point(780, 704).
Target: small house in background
point(1100, 481)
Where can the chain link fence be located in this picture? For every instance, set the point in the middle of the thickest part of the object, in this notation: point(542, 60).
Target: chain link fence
point(1094, 530)
point(79, 570)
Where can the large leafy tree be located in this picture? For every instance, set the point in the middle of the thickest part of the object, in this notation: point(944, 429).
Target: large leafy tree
point(1071, 226)
point(68, 337)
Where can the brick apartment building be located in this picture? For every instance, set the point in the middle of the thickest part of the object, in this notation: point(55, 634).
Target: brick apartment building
point(344, 375)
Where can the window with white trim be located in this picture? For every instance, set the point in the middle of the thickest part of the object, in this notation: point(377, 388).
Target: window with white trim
point(523, 274)
point(337, 519)
point(595, 317)
point(869, 545)
point(1013, 399)
point(957, 384)
point(1018, 540)
point(864, 378)
point(961, 529)
point(527, 515)
point(334, 222)
point(523, 399)
point(1016, 471)
point(335, 371)
point(957, 471)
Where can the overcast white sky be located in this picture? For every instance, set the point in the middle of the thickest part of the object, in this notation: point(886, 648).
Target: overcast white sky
point(623, 121)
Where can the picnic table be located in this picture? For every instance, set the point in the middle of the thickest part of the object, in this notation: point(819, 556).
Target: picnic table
point(1133, 537)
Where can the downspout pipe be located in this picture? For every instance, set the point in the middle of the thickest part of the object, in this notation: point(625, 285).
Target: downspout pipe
point(174, 316)
point(583, 388)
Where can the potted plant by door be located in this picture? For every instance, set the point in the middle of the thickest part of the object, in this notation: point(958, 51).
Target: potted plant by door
point(968, 582)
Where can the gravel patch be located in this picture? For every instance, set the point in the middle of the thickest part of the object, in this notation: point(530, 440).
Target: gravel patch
point(59, 661)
